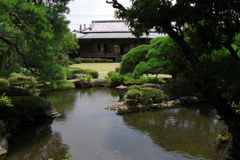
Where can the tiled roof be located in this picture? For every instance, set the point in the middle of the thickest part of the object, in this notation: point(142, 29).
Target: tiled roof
point(107, 26)
point(115, 35)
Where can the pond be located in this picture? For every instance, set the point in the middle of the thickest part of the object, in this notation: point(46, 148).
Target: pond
point(89, 132)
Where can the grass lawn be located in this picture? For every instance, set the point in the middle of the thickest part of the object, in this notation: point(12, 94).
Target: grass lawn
point(102, 68)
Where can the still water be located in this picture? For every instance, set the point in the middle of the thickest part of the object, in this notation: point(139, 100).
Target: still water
point(89, 132)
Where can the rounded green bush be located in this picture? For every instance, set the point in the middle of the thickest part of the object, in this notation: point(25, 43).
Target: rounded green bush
point(110, 73)
point(117, 69)
point(4, 83)
point(133, 94)
point(77, 71)
point(13, 91)
point(92, 73)
point(70, 62)
point(78, 60)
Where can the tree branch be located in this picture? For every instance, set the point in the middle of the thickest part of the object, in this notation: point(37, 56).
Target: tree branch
point(115, 4)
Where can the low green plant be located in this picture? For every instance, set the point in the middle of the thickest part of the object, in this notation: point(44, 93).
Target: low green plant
point(149, 95)
point(77, 60)
point(89, 79)
point(117, 69)
point(4, 83)
point(5, 100)
point(70, 62)
point(110, 73)
point(144, 80)
point(29, 105)
point(77, 71)
point(61, 85)
point(133, 94)
point(2, 127)
point(67, 156)
point(116, 80)
point(222, 138)
point(92, 73)
point(13, 91)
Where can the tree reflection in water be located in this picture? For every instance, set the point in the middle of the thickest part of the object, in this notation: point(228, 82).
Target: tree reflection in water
point(179, 129)
point(36, 143)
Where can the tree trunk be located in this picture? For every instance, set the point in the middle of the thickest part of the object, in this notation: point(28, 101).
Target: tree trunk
point(2, 62)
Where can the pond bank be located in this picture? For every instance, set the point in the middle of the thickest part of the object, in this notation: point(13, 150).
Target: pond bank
point(133, 104)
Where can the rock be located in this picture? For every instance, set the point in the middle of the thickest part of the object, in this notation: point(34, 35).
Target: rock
point(152, 85)
point(3, 147)
point(189, 99)
point(100, 82)
point(52, 112)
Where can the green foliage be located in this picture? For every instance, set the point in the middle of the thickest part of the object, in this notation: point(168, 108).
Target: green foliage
point(116, 80)
point(152, 95)
point(34, 36)
point(92, 60)
point(133, 94)
point(5, 100)
point(78, 60)
point(4, 83)
point(132, 58)
point(117, 69)
point(13, 91)
point(70, 62)
point(92, 73)
point(2, 127)
point(22, 81)
point(181, 87)
point(148, 95)
point(222, 138)
point(110, 73)
point(24, 105)
point(28, 105)
point(61, 85)
point(77, 71)
point(144, 80)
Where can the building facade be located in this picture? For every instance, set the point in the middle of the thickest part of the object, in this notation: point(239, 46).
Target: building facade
point(109, 39)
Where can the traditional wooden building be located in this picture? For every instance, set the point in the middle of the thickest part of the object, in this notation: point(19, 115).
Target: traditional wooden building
point(109, 39)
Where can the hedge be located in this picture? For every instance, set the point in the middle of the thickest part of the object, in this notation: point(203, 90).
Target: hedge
point(92, 60)
point(24, 105)
point(4, 83)
point(13, 91)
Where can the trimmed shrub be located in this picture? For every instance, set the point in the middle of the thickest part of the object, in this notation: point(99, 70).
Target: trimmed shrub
point(70, 62)
point(4, 83)
point(92, 73)
point(110, 73)
point(117, 69)
point(13, 91)
point(109, 60)
point(152, 95)
point(149, 95)
point(133, 94)
point(144, 80)
point(21, 81)
point(77, 71)
point(24, 105)
point(78, 60)
point(61, 85)
point(116, 80)
point(29, 105)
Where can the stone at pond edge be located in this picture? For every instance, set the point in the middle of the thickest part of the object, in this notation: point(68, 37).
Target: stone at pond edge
point(3, 147)
point(152, 85)
point(189, 99)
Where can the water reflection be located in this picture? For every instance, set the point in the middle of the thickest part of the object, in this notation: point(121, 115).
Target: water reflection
point(36, 143)
point(191, 130)
point(92, 133)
